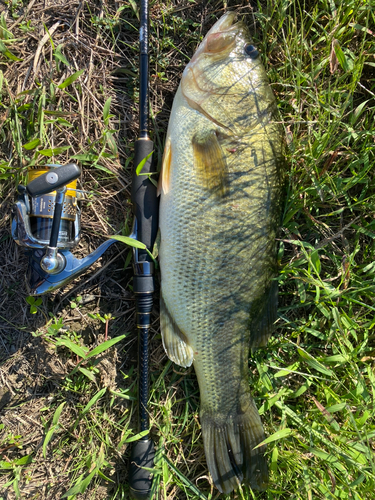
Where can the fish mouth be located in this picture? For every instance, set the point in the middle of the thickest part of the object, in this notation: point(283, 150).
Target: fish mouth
point(221, 38)
point(228, 22)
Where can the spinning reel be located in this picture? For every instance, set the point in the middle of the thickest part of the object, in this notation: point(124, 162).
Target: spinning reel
point(46, 219)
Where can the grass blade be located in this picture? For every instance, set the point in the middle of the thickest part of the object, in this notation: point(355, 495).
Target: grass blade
point(276, 436)
point(81, 486)
point(93, 400)
point(72, 346)
point(104, 346)
point(54, 426)
point(71, 79)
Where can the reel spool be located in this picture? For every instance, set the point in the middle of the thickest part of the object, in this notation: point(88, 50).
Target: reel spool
point(46, 219)
point(42, 210)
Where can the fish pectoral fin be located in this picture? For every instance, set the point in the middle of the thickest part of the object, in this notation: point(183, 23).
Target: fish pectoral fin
point(164, 178)
point(210, 161)
point(174, 341)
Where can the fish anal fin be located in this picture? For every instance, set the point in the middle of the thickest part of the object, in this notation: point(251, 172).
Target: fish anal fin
point(174, 341)
point(229, 442)
point(262, 323)
point(164, 178)
point(210, 162)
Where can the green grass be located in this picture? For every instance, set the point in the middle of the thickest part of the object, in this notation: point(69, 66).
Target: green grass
point(317, 374)
point(314, 383)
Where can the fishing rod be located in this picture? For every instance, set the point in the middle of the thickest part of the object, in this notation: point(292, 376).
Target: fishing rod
point(145, 209)
point(46, 220)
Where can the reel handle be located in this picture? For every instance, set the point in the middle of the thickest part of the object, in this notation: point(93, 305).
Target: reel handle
point(53, 180)
point(53, 262)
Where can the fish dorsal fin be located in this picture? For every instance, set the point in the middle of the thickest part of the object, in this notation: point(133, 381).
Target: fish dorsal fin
point(210, 162)
point(164, 178)
point(174, 341)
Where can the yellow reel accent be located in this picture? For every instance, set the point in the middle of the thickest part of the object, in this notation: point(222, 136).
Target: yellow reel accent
point(34, 172)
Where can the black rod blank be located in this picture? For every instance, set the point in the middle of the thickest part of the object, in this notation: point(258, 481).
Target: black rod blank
point(145, 208)
point(143, 71)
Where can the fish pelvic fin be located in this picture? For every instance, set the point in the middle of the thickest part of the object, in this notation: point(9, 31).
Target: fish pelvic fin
point(210, 162)
point(174, 341)
point(229, 442)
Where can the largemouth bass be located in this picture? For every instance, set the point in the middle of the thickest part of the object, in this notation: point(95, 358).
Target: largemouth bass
point(220, 188)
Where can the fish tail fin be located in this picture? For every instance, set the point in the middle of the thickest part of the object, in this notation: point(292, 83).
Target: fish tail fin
point(229, 443)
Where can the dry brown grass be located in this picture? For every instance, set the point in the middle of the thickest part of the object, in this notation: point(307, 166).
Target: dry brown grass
point(32, 371)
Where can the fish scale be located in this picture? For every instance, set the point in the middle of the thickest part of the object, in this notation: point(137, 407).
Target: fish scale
point(219, 211)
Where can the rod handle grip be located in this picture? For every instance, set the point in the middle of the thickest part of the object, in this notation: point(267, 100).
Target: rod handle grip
point(143, 195)
point(140, 480)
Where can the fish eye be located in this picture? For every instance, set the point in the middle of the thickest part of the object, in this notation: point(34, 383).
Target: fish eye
point(251, 51)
